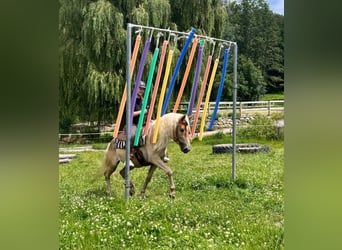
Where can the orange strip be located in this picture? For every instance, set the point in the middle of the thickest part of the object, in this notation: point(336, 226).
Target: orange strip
point(124, 95)
point(186, 74)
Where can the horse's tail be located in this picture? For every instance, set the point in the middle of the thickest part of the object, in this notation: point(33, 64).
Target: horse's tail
point(107, 155)
point(108, 145)
point(102, 167)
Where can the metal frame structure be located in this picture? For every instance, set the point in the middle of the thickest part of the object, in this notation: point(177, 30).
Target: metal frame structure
point(128, 99)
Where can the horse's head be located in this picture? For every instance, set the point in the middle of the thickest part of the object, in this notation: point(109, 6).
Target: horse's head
point(183, 134)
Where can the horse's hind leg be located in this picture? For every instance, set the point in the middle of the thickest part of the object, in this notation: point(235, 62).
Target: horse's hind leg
point(131, 185)
point(147, 180)
point(110, 164)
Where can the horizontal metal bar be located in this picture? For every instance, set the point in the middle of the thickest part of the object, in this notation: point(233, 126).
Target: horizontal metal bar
point(182, 33)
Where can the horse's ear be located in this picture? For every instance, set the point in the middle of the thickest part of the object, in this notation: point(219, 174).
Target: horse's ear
point(185, 120)
point(191, 117)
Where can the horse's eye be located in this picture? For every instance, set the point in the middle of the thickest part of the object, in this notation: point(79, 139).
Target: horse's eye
point(182, 130)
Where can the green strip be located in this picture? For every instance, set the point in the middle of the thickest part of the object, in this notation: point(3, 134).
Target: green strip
point(147, 92)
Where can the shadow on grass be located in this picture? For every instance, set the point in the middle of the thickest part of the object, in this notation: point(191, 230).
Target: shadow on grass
point(220, 182)
point(100, 192)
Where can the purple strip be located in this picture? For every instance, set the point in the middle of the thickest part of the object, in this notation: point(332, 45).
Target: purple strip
point(138, 79)
point(195, 84)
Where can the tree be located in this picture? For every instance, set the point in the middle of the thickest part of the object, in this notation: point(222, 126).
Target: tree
point(259, 35)
point(92, 48)
point(103, 43)
point(71, 62)
point(275, 71)
point(204, 15)
point(208, 17)
point(159, 12)
point(92, 55)
point(251, 83)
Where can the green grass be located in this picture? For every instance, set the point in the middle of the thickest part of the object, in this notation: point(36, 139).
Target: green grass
point(269, 97)
point(209, 212)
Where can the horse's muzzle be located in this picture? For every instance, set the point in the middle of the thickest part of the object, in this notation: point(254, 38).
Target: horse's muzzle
point(185, 147)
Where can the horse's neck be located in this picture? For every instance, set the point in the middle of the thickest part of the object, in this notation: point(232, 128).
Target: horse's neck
point(166, 130)
point(169, 126)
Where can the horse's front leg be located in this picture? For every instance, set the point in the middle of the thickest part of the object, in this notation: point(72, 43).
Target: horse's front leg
point(132, 187)
point(147, 180)
point(160, 163)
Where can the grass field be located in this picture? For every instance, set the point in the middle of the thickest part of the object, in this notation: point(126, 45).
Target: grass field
point(209, 212)
point(268, 97)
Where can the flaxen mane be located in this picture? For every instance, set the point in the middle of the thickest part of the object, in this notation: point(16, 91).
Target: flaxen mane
point(165, 134)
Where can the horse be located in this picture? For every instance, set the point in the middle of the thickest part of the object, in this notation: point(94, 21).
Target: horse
point(172, 127)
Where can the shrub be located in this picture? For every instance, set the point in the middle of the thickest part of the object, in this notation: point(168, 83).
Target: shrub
point(277, 115)
point(262, 127)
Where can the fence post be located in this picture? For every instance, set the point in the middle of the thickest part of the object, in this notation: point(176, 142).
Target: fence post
point(208, 109)
point(240, 109)
point(269, 107)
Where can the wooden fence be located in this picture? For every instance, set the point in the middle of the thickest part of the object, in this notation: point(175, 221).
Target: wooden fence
point(243, 108)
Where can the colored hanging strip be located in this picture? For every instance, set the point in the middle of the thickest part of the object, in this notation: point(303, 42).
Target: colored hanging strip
point(175, 73)
point(199, 101)
point(147, 92)
point(212, 77)
point(218, 97)
point(186, 74)
point(162, 94)
point(195, 83)
point(156, 87)
point(124, 95)
point(138, 79)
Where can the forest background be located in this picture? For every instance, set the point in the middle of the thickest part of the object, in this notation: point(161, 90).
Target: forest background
point(92, 49)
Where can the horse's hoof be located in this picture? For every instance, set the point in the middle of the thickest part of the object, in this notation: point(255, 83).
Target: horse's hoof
point(172, 196)
point(132, 190)
point(143, 196)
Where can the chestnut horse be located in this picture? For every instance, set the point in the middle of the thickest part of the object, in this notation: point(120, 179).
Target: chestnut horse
point(173, 126)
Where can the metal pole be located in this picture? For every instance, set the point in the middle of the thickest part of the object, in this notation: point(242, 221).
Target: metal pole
point(128, 109)
point(234, 113)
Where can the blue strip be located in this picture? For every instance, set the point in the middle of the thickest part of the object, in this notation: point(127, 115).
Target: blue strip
point(175, 73)
point(218, 97)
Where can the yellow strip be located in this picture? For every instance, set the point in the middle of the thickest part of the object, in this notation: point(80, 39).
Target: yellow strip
point(162, 94)
point(207, 99)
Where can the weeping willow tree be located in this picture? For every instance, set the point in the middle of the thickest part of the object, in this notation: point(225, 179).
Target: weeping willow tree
point(72, 64)
point(92, 60)
point(159, 12)
point(103, 43)
point(205, 15)
point(208, 17)
point(92, 54)
point(93, 50)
